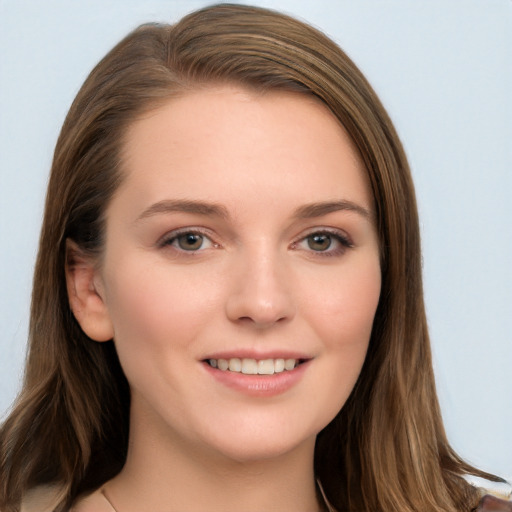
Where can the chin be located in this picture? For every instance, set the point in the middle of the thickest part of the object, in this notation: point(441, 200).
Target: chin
point(250, 453)
point(253, 445)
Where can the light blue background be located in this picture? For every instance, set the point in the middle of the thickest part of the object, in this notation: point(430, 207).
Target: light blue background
point(443, 68)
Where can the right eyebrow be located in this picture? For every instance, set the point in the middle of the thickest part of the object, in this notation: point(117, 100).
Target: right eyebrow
point(186, 206)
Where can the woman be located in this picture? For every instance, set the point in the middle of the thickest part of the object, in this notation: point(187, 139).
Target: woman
point(227, 308)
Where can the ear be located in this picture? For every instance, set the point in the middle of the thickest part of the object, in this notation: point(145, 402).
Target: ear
point(85, 293)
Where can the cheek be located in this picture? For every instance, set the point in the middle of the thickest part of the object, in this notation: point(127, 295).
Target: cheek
point(343, 318)
point(343, 311)
point(156, 311)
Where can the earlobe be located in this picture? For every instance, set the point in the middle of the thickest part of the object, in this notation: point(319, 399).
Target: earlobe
point(86, 299)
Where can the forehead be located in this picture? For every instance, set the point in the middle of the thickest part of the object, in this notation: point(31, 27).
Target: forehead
point(239, 142)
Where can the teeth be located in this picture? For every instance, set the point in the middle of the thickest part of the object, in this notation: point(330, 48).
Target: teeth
point(250, 366)
point(235, 365)
point(222, 364)
point(254, 366)
point(279, 365)
point(266, 367)
point(289, 364)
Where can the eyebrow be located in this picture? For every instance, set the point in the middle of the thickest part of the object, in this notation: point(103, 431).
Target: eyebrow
point(312, 210)
point(186, 206)
point(307, 211)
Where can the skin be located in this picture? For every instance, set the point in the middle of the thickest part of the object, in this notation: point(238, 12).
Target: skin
point(259, 282)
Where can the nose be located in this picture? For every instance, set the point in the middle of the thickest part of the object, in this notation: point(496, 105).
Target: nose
point(260, 293)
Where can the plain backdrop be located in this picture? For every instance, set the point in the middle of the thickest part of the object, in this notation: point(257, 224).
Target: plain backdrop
point(443, 69)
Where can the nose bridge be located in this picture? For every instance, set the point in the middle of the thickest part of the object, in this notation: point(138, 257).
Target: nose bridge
point(260, 290)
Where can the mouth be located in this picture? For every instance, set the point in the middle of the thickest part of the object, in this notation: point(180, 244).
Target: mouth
point(249, 366)
point(261, 377)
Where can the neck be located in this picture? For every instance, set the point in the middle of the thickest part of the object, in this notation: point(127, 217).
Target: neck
point(168, 474)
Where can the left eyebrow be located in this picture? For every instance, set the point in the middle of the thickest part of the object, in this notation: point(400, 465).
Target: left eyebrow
point(312, 210)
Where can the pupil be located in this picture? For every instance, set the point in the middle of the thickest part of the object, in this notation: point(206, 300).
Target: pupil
point(319, 242)
point(190, 241)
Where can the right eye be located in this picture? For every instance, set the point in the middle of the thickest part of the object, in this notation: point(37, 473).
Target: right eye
point(188, 241)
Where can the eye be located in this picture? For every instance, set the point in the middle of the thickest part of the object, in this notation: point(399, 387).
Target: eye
point(189, 241)
point(326, 243)
point(319, 241)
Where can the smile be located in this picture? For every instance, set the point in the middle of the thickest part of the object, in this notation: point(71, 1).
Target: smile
point(265, 377)
point(249, 366)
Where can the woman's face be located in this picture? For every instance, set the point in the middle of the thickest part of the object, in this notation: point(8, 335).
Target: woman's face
point(242, 236)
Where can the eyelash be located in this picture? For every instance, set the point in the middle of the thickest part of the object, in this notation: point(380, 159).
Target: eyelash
point(339, 238)
point(171, 238)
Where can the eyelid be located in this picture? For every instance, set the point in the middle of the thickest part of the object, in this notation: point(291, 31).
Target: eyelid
point(170, 236)
point(341, 237)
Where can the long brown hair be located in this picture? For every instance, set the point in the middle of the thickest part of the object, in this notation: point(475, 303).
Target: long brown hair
point(386, 449)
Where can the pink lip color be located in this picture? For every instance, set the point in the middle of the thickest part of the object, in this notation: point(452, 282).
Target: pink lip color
point(259, 385)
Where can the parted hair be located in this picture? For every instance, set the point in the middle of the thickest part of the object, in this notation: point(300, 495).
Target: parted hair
point(386, 450)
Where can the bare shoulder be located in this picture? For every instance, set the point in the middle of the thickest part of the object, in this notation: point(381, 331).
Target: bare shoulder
point(45, 499)
point(95, 502)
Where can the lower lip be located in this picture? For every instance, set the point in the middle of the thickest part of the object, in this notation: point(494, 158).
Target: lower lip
point(259, 385)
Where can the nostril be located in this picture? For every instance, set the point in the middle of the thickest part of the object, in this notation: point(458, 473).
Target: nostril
point(261, 320)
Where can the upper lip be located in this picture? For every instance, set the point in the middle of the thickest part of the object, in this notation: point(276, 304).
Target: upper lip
point(246, 353)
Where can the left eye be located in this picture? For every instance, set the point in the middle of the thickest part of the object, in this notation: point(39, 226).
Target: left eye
point(189, 241)
point(324, 242)
point(319, 241)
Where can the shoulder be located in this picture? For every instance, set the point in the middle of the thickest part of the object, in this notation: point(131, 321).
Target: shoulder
point(41, 499)
point(496, 496)
point(45, 499)
point(95, 502)
point(491, 503)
